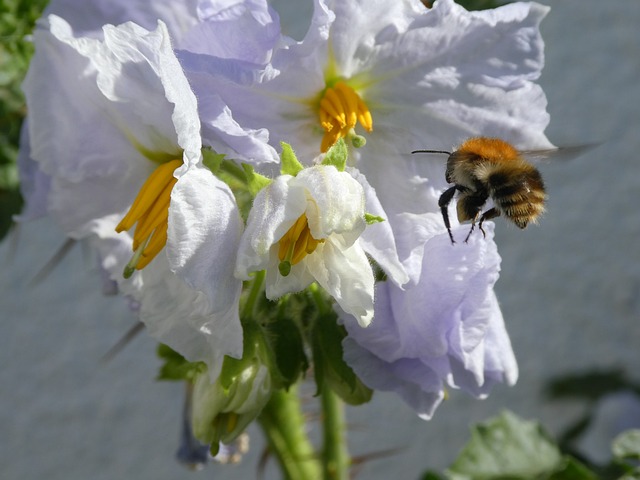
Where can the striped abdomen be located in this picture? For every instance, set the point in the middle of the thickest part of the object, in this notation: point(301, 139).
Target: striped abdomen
point(518, 192)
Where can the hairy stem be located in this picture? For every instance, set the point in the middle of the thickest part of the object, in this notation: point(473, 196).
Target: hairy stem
point(335, 455)
point(284, 426)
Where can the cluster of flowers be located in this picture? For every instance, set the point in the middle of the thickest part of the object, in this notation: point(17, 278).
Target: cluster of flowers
point(164, 134)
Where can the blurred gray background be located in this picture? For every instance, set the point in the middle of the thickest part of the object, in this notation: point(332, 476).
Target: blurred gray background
point(569, 289)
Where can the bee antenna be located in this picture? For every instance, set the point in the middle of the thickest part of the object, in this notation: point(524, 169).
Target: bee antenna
point(432, 151)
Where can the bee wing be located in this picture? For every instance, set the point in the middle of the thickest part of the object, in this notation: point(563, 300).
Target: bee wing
point(558, 154)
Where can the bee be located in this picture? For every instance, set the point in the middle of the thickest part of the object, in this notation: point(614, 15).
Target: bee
point(485, 168)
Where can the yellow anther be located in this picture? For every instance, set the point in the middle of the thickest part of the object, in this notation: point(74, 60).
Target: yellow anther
point(350, 99)
point(364, 116)
point(150, 210)
point(148, 193)
point(341, 108)
point(156, 243)
point(156, 215)
point(334, 107)
point(298, 242)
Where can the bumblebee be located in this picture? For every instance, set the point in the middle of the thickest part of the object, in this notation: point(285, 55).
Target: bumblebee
point(485, 168)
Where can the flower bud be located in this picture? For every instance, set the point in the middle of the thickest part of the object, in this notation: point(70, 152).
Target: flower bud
point(223, 409)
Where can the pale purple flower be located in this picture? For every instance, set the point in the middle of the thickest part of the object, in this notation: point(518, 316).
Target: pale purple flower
point(104, 112)
point(446, 332)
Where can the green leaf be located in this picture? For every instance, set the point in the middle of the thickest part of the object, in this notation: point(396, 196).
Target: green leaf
point(10, 205)
point(634, 475)
point(255, 181)
point(337, 155)
point(329, 366)
point(430, 475)
point(175, 366)
point(572, 469)
point(626, 446)
point(590, 385)
point(290, 164)
point(287, 343)
point(506, 447)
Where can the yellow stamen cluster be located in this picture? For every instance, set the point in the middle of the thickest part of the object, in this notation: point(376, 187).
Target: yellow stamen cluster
point(150, 210)
point(296, 244)
point(340, 109)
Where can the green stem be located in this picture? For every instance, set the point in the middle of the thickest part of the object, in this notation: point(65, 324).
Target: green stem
point(335, 455)
point(284, 426)
point(322, 303)
point(256, 289)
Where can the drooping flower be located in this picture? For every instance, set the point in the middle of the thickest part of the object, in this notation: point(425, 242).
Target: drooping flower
point(114, 124)
point(306, 228)
point(446, 332)
point(391, 78)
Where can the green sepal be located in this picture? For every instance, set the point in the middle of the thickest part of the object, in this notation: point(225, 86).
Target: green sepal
point(329, 366)
point(337, 155)
point(371, 219)
point(212, 159)
point(175, 366)
point(289, 162)
point(255, 181)
point(233, 367)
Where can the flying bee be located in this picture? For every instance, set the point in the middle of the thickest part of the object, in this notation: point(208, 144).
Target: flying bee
point(483, 168)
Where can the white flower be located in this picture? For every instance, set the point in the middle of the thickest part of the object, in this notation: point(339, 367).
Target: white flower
point(306, 228)
point(107, 115)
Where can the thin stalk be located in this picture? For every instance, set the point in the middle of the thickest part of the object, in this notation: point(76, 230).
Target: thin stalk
point(284, 426)
point(256, 289)
point(335, 455)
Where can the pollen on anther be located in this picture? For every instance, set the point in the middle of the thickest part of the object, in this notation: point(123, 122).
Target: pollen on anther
point(150, 213)
point(341, 108)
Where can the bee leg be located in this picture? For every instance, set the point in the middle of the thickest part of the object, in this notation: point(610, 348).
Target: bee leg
point(489, 214)
point(443, 203)
point(473, 225)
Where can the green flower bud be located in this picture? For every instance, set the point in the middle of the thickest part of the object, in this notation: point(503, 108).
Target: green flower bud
point(223, 409)
point(219, 414)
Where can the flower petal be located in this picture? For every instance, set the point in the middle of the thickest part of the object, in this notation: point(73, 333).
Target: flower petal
point(345, 273)
point(250, 30)
point(335, 202)
point(274, 211)
point(88, 18)
point(377, 239)
point(202, 239)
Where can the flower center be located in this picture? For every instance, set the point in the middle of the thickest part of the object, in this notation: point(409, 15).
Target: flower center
point(340, 109)
point(296, 244)
point(150, 210)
